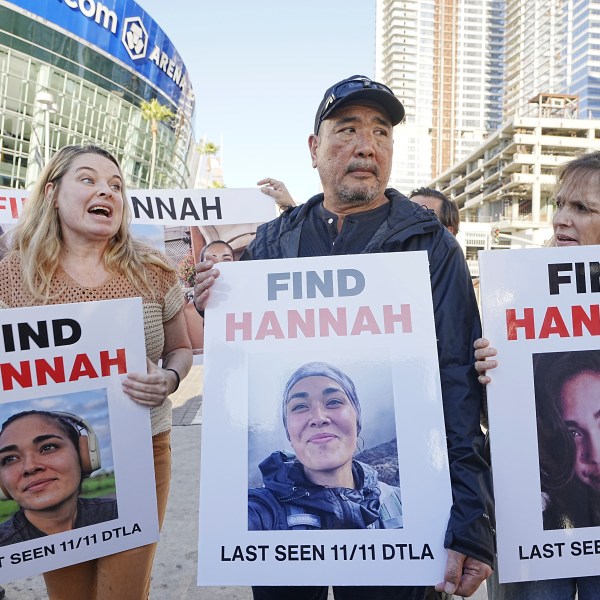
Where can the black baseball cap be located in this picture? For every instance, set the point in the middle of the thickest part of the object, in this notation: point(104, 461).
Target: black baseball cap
point(359, 87)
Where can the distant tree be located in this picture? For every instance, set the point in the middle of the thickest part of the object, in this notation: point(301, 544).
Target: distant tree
point(155, 112)
point(208, 149)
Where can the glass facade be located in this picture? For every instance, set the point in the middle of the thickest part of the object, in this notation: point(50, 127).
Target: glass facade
point(57, 89)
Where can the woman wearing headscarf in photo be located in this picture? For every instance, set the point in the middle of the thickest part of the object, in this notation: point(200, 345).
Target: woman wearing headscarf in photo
point(322, 486)
point(73, 244)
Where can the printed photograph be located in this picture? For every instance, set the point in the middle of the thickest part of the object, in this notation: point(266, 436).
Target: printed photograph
point(322, 446)
point(56, 465)
point(567, 401)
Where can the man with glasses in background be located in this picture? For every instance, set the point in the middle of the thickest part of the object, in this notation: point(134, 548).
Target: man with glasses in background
point(351, 146)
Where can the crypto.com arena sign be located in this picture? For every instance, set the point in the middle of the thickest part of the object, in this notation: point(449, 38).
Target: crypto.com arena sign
point(124, 30)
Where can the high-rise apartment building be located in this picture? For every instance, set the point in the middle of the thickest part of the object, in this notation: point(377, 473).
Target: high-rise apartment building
point(535, 53)
point(580, 53)
point(444, 59)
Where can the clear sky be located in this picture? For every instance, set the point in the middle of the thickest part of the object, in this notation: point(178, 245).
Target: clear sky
point(259, 70)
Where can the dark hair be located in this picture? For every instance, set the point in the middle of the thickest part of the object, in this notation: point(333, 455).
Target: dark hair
point(62, 422)
point(205, 249)
point(449, 215)
point(552, 370)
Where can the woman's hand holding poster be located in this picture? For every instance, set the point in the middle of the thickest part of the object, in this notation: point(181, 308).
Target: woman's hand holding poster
point(322, 416)
point(544, 409)
point(76, 470)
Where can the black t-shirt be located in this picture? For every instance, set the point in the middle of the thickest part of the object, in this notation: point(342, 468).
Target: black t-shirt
point(90, 511)
point(320, 236)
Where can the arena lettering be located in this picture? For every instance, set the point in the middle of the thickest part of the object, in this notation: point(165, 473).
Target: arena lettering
point(167, 65)
point(60, 332)
point(157, 208)
point(322, 322)
point(541, 551)
point(553, 322)
point(40, 371)
point(96, 11)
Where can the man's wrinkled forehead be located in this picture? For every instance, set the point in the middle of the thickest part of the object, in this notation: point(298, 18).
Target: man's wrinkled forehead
point(349, 112)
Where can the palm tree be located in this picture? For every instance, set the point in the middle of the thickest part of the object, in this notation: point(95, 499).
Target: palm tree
point(155, 112)
point(209, 149)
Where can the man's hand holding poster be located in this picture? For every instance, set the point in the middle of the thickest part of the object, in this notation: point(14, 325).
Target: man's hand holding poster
point(76, 471)
point(323, 416)
point(544, 409)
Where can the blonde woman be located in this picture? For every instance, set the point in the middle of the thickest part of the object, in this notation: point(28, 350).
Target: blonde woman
point(72, 244)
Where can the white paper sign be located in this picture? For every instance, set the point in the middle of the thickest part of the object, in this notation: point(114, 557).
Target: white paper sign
point(541, 312)
point(371, 318)
point(219, 206)
point(72, 358)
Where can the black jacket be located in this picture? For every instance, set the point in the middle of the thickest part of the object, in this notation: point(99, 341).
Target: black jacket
point(411, 227)
point(289, 500)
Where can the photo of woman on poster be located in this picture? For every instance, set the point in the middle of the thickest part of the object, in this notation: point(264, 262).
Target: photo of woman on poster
point(44, 457)
point(321, 486)
point(567, 397)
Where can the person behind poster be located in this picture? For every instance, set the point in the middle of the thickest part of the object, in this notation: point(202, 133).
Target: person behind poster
point(322, 419)
point(444, 208)
point(44, 458)
point(218, 251)
point(567, 398)
point(576, 223)
point(351, 146)
point(73, 244)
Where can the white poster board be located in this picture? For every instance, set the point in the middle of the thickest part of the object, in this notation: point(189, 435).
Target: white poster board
point(72, 358)
point(371, 317)
point(541, 313)
point(218, 206)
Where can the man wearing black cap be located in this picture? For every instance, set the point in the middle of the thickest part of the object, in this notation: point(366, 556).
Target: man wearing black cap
point(352, 149)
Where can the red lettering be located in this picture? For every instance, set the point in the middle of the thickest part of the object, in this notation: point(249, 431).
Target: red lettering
point(553, 324)
point(231, 326)
point(297, 323)
point(390, 317)
point(118, 361)
point(269, 326)
point(56, 372)
point(365, 321)
point(581, 320)
point(327, 321)
point(10, 373)
point(512, 324)
point(82, 367)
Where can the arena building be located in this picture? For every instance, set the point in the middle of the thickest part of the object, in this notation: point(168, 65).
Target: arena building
point(79, 71)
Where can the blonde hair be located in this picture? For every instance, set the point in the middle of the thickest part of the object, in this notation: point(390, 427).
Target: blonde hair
point(37, 237)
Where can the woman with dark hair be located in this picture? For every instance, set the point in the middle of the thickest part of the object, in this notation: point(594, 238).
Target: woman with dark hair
point(73, 244)
point(41, 469)
point(567, 386)
point(322, 486)
point(576, 223)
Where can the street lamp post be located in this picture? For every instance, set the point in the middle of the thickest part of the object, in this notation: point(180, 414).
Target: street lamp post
point(45, 101)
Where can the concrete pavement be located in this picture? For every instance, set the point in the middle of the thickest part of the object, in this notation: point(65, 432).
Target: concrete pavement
point(175, 566)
